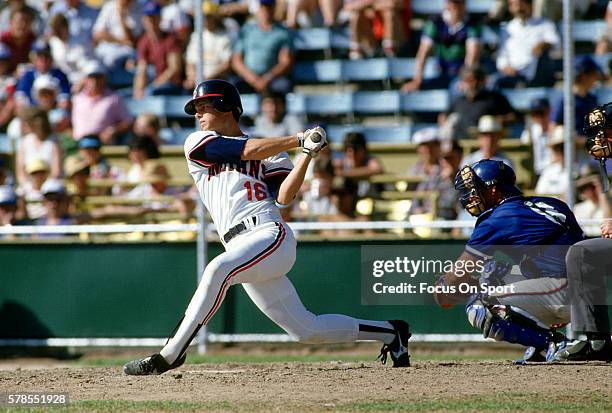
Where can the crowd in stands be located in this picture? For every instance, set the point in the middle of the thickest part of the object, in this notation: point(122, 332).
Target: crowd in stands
point(59, 109)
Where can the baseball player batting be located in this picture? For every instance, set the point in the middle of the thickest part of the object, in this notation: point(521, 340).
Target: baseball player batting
point(243, 182)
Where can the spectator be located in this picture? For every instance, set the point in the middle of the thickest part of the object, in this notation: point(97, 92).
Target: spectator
point(318, 201)
point(302, 11)
point(523, 52)
point(89, 150)
point(77, 172)
point(586, 75)
point(363, 14)
point(39, 144)
point(490, 131)
point(553, 179)
point(56, 203)
point(466, 110)
point(31, 189)
point(155, 179)
point(604, 43)
point(69, 56)
point(163, 51)
point(96, 110)
point(43, 65)
point(9, 214)
point(9, 6)
point(81, 19)
point(428, 149)
point(141, 150)
point(174, 20)
point(454, 38)
point(535, 133)
point(20, 36)
point(594, 202)
point(116, 32)
point(45, 92)
point(263, 55)
point(7, 87)
point(356, 166)
point(217, 49)
point(441, 182)
point(274, 119)
point(147, 125)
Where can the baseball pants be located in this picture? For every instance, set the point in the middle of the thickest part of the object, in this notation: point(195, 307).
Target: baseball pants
point(259, 260)
point(588, 264)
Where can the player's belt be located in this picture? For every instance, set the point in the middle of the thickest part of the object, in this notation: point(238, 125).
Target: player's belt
point(239, 228)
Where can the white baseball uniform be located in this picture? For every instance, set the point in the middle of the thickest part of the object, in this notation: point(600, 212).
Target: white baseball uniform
point(259, 252)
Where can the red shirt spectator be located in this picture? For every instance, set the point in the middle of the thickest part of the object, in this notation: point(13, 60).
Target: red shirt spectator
point(161, 49)
point(20, 37)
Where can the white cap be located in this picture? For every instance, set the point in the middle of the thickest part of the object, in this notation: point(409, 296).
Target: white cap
point(47, 82)
point(426, 135)
point(489, 124)
point(53, 186)
point(7, 195)
point(94, 68)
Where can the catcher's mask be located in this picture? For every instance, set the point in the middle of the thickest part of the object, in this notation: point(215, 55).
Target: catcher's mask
point(472, 180)
point(597, 129)
point(224, 97)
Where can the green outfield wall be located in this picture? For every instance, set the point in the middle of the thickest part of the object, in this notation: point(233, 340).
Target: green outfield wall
point(79, 290)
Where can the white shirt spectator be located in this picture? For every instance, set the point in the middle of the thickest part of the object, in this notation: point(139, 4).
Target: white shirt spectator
point(81, 21)
point(108, 21)
point(518, 38)
point(536, 135)
point(553, 180)
point(70, 58)
point(217, 50)
point(290, 125)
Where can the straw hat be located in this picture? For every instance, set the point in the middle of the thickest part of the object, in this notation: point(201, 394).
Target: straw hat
point(154, 171)
point(37, 165)
point(73, 165)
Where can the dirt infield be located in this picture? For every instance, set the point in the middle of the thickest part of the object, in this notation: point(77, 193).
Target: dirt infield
point(326, 386)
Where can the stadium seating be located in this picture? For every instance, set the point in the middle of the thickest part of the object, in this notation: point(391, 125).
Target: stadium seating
point(436, 6)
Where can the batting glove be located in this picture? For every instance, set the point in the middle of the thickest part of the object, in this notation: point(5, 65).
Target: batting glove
point(312, 141)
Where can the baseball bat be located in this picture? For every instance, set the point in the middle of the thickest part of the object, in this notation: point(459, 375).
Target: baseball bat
point(605, 181)
point(316, 137)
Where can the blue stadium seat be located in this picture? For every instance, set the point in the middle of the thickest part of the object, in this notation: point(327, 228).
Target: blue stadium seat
point(489, 36)
point(341, 38)
point(151, 104)
point(175, 106)
point(587, 31)
point(373, 134)
point(338, 103)
point(296, 103)
point(313, 39)
point(250, 104)
point(403, 68)
point(365, 69)
point(521, 98)
point(604, 95)
point(318, 71)
point(425, 101)
point(436, 6)
point(376, 102)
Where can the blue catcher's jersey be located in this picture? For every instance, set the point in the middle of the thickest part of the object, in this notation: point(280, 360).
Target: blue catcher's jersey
point(546, 225)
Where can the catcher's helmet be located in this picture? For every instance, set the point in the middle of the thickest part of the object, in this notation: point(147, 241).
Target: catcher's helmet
point(596, 125)
point(224, 95)
point(484, 174)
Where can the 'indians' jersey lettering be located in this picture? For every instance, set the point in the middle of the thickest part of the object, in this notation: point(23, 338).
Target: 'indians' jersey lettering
point(233, 189)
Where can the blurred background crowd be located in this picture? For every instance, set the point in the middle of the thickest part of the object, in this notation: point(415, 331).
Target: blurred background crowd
point(91, 98)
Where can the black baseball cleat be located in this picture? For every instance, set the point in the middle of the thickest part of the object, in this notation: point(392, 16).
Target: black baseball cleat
point(585, 350)
point(399, 346)
point(151, 365)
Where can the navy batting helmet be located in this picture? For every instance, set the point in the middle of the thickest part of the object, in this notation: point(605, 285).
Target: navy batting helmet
point(596, 126)
point(224, 95)
point(484, 174)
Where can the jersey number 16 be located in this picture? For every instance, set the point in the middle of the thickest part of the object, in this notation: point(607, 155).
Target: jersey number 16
point(257, 189)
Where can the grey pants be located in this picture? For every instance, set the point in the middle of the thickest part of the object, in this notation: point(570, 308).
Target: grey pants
point(589, 263)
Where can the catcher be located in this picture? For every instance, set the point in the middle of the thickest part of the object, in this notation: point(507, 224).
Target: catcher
point(535, 232)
